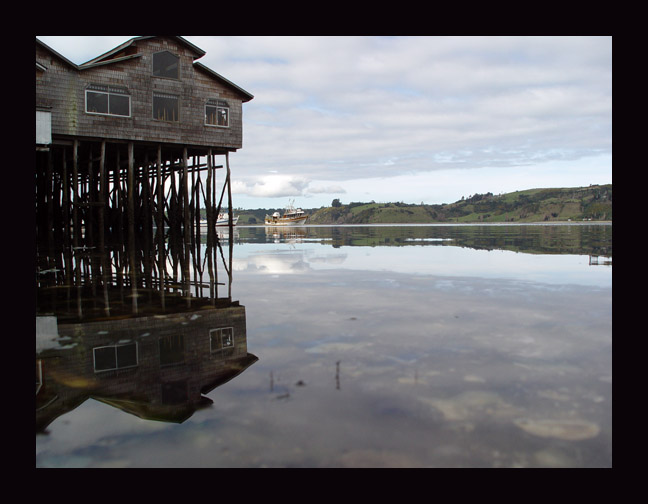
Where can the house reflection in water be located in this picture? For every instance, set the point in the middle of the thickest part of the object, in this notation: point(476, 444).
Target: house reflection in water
point(156, 358)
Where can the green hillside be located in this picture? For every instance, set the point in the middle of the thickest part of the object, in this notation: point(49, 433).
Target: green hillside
point(533, 205)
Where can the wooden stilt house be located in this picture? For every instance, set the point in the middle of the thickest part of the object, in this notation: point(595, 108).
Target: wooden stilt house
point(127, 134)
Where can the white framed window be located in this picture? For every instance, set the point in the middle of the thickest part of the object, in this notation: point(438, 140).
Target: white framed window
point(107, 100)
point(166, 107)
point(217, 113)
point(111, 357)
point(166, 64)
point(221, 338)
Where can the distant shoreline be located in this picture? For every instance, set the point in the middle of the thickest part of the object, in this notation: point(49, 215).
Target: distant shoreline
point(423, 224)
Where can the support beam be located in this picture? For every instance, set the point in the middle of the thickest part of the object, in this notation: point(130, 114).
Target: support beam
point(185, 197)
point(131, 224)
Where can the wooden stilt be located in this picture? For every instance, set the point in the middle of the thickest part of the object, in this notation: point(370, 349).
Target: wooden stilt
point(160, 226)
point(65, 202)
point(102, 226)
point(229, 194)
point(131, 224)
point(90, 200)
point(112, 188)
point(49, 197)
point(185, 197)
point(102, 192)
point(208, 202)
point(75, 194)
point(230, 226)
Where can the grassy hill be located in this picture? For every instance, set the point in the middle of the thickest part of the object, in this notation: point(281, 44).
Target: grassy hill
point(533, 205)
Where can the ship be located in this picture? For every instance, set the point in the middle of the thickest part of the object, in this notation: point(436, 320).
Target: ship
point(223, 220)
point(291, 217)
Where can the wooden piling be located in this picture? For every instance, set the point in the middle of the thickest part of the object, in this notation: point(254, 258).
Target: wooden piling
point(106, 199)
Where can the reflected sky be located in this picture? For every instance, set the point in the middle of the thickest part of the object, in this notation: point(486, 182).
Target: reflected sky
point(383, 356)
point(443, 261)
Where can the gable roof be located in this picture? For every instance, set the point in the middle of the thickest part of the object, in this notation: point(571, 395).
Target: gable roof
point(199, 53)
point(109, 57)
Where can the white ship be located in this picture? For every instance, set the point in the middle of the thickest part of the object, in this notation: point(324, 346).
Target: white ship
point(223, 220)
point(291, 217)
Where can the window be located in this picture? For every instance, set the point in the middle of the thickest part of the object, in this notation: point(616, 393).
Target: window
point(172, 350)
point(108, 358)
point(221, 338)
point(165, 107)
point(217, 113)
point(108, 100)
point(166, 64)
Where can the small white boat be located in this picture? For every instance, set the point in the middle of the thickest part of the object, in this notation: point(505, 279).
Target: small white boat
point(223, 220)
point(291, 217)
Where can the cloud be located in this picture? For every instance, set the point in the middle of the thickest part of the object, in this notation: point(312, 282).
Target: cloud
point(271, 186)
point(332, 189)
point(335, 109)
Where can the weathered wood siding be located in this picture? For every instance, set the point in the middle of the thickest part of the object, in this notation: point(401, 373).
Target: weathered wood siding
point(62, 87)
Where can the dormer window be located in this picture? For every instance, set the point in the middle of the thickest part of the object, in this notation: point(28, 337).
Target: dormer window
point(166, 64)
point(217, 113)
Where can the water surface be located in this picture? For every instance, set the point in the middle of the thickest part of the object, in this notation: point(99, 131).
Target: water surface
point(351, 346)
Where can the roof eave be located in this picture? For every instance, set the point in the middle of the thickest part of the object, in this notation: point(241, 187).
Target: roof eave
point(247, 96)
point(58, 55)
point(86, 66)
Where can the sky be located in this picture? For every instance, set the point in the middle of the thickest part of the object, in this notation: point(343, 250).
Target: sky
point(413, 119)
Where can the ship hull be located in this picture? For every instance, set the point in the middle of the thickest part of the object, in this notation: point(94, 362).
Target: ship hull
point(298, 221)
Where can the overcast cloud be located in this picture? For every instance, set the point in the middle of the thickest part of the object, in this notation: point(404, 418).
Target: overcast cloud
point(408, 118)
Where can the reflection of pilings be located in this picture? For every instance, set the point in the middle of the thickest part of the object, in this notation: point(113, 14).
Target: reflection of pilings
point(337, 375)
point(87, 283)
point(83, 283)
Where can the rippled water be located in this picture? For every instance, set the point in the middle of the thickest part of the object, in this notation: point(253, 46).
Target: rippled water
point(358, 346)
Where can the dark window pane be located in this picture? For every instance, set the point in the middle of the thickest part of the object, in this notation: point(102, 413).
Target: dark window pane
point(127, 355)
point(104, 358)
point(165, 108)
point(227, 337)
point(97, 102)
point(221, 339)
point(211, 115)
point(214, 337)
point(216, 115)
point(119, 105)
point(165, 64)
point(223, 117)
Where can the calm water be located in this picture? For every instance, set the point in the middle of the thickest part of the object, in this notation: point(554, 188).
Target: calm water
point(367, 346)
